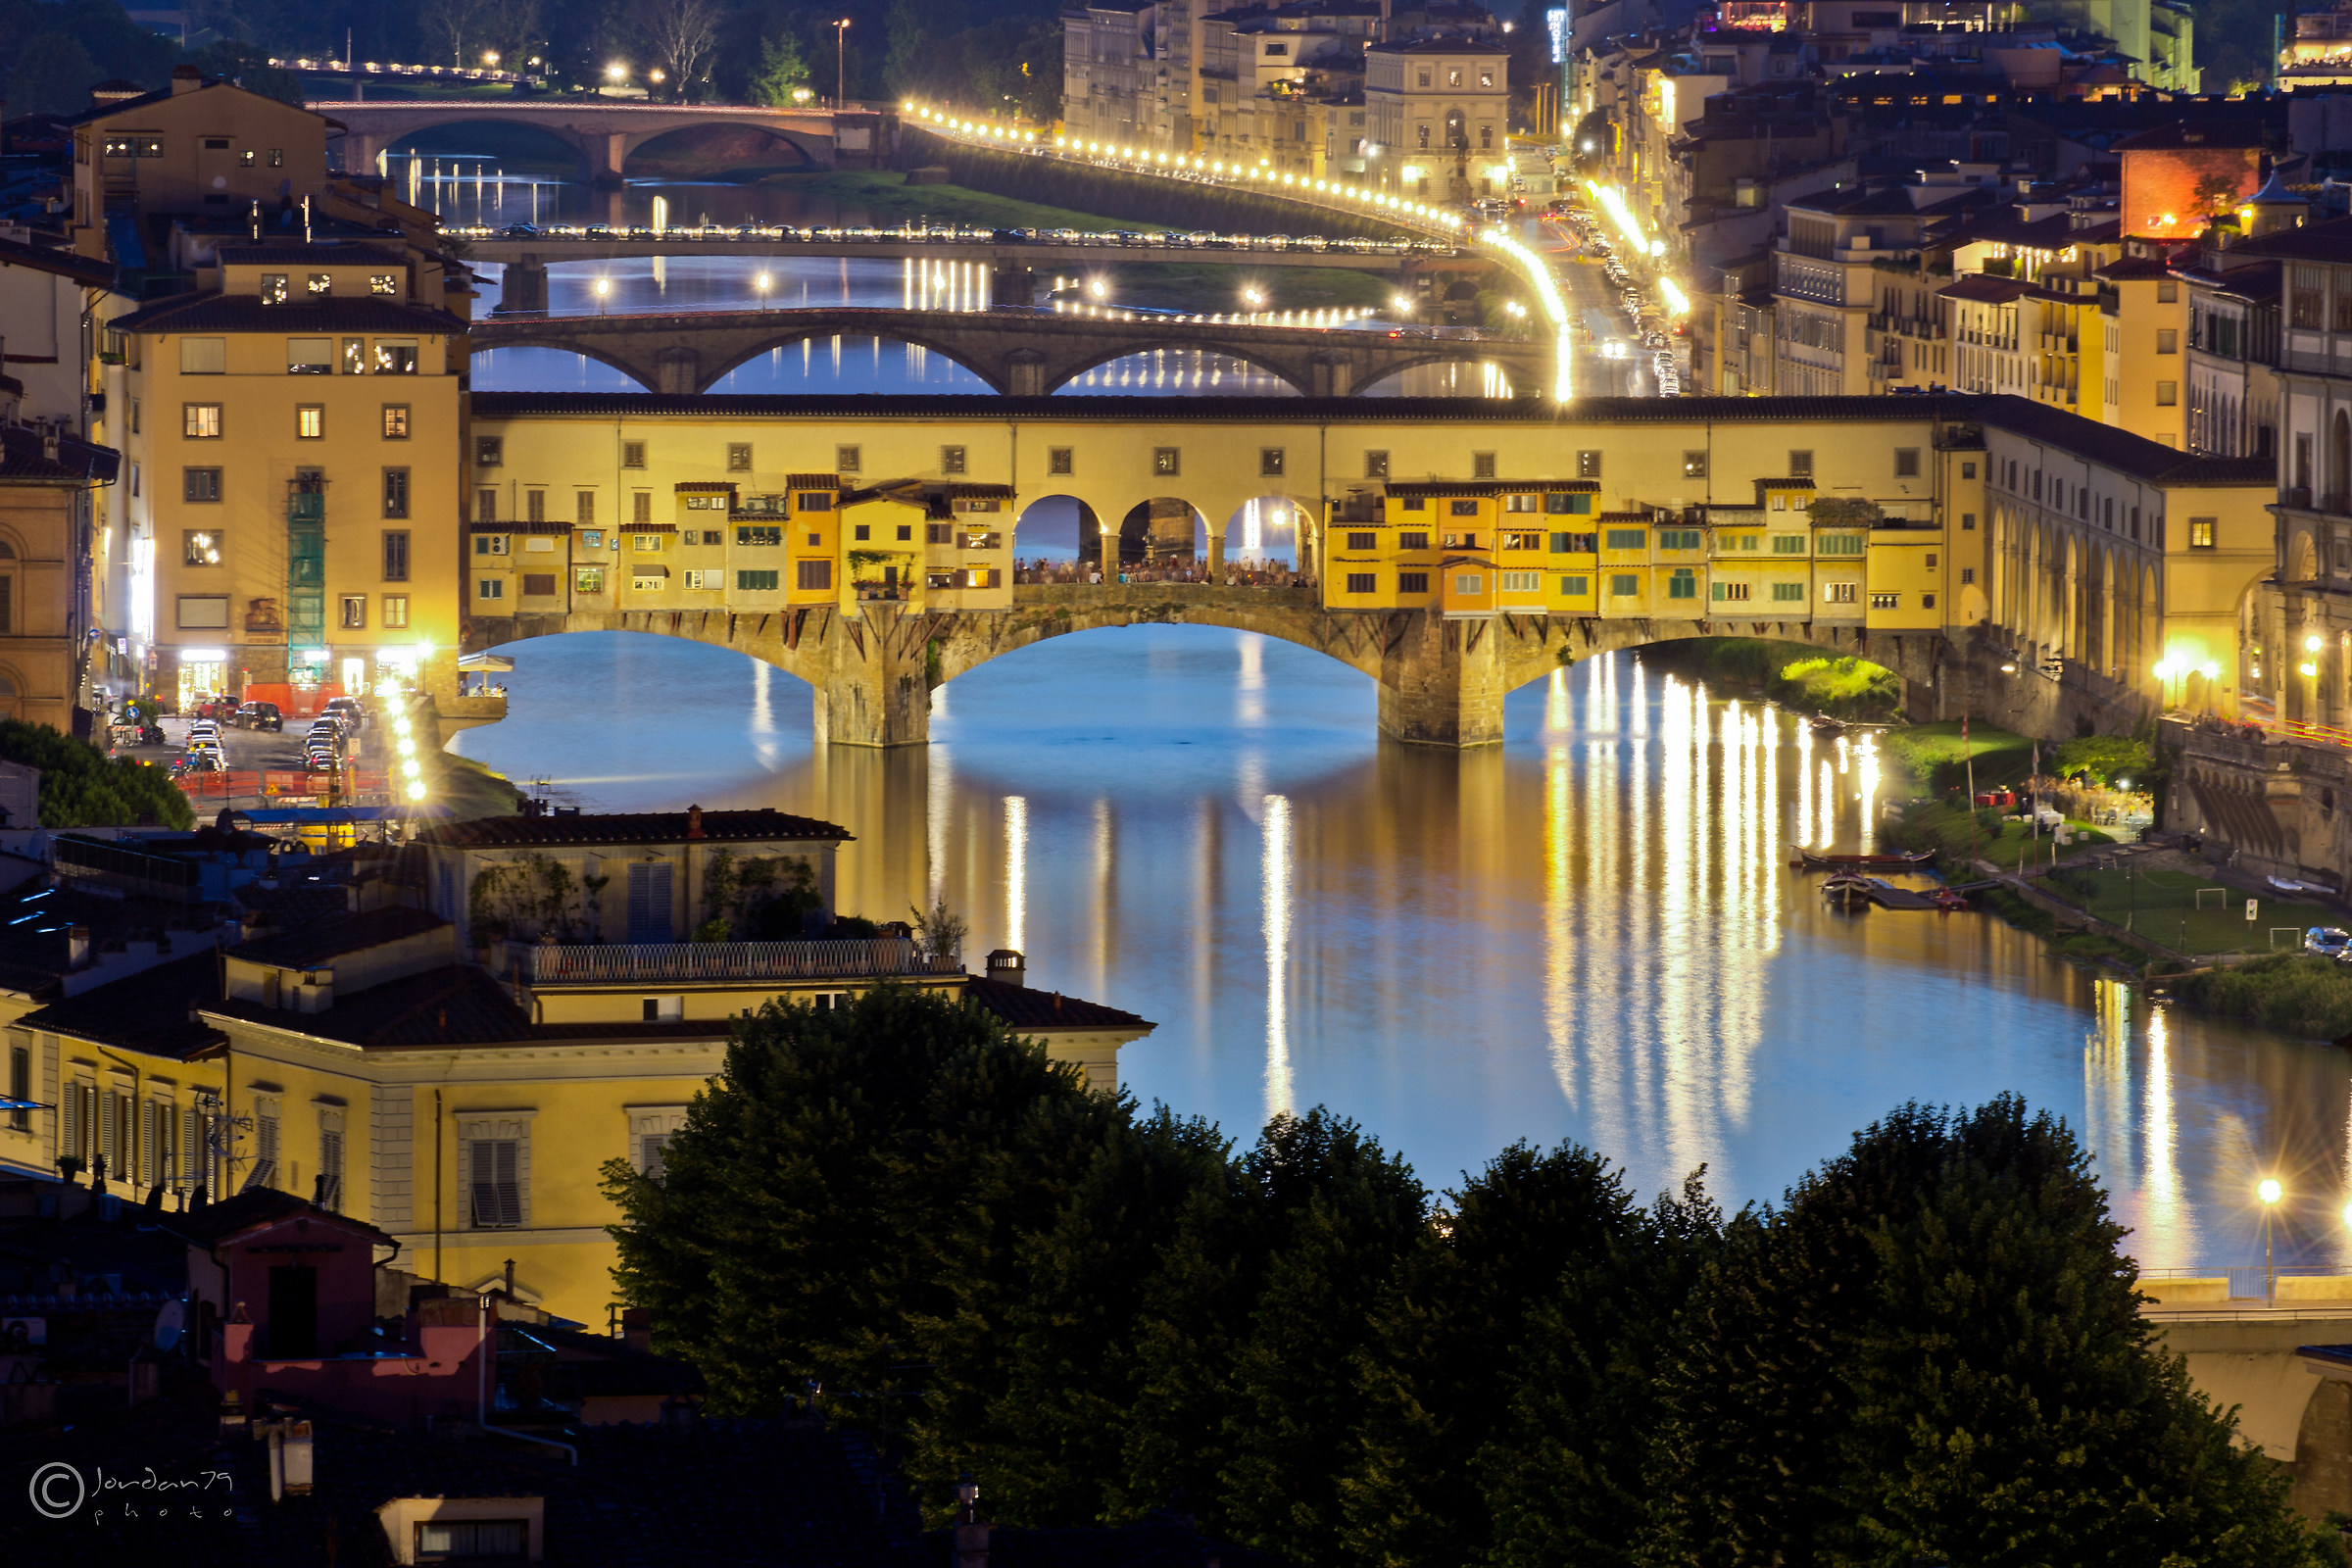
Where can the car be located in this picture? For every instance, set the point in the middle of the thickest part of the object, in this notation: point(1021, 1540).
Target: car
point(350, 710)
point(259, 716)
point(2326, 942)
point(196, 763)
point(520, 231)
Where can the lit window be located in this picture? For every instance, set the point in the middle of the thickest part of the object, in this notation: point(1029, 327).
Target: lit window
point(310, 421)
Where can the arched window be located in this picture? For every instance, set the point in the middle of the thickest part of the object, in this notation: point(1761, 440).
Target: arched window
point(1453, 130)
point(2340, 461)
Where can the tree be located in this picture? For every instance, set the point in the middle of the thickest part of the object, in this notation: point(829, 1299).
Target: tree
point(52, 74)
point(1844, 511)
point(455, 24)
point(1934, 1351)
point(783, 71)
point(2103, 759)
point(762, 899)
point(531, 895)
point(679, 38)
point(940, 934)
point(82, 787)
point(249, 67)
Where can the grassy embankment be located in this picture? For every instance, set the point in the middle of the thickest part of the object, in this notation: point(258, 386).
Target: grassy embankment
point(1793, 675)
point(2289, 991)
point(883, 197)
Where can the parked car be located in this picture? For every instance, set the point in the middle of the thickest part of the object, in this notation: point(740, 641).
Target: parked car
point(2326, 942)
point(350, 712)
point(259, 716)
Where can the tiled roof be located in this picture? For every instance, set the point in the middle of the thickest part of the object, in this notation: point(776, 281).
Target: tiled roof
point(268, 253)
point(244, 312)
point(1439, 46)
point(1982, 288)
point(1485, 488)
point(216, 1223)
point(629, 827)
point(1024, 1009)
point(151, 1011)
point(703, 487)
point(2183, 137)
point(37, 922)
point(453, 1005)
point(83, 269)
point(2119, 449)
point(812, 481)
point(316, 944)
point(2314, 242)
point(2135, 270)
point(24, 458)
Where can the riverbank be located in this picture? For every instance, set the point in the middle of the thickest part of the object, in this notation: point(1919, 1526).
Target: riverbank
point(884, 196)
point(1794, 674)
point(2293, 992)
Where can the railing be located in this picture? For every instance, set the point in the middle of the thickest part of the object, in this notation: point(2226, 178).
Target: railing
point(632, 963)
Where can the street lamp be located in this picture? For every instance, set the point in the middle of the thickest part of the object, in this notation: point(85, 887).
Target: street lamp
point(1253, 297)
point(2269, 1192)
point(760, 283)
point(840, 72)
point(603, 288)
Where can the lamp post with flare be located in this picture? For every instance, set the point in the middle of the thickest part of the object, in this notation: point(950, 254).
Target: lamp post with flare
point(2269, 1192)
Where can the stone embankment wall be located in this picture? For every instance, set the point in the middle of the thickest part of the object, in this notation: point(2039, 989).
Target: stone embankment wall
point(1118, 193)
point(2282, 804)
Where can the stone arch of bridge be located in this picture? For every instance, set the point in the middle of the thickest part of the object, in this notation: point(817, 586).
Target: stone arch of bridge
point(788, 333)
point(646, 376)
point(603, 152)
point(1290, 370)
point(1452, 354)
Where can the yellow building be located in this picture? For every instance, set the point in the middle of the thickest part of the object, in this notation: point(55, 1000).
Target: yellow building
point(48, 480)
point(2143, 335)
point(289, 427)
point(467, 1110)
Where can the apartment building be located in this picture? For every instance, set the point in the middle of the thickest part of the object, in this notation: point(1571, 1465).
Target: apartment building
point(289, 427)
point(1438, 110)
point(2304, 651)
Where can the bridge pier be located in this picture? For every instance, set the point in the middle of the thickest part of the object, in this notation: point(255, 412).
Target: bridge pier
point(607, 156)
point(1442, 682)
point(1334, 375)
point(1025, 374)
point(872, 683)
point(678, 371)
point(1011, 283)
point(523, 286)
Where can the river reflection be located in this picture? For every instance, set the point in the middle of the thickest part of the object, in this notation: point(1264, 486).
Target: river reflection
point(1589, 932)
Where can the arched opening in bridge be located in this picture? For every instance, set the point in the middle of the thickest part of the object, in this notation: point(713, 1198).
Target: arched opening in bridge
point(1165, 533)
point(1263, 533)
point(844, 363)
point(1052, 533)
point(1447, 378)
point(1177, 371)
point(487, 172)
point(732, 154)
point(532, 369)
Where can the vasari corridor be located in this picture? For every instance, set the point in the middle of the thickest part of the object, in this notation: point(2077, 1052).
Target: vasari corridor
point(1330, 784)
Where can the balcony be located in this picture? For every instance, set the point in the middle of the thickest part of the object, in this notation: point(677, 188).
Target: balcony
point(306, 509)
point(721, 963)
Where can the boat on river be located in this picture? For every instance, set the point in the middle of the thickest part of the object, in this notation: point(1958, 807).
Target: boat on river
point(1881, 861)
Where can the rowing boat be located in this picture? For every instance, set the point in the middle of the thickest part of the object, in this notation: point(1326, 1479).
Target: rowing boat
point(1887, 859)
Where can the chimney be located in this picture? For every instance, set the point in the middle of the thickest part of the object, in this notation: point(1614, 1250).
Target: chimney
point(694, 822)
point(253, 224)
point(185, 79)
point(77, 946)
point(1008, 967)
point(637, 1330)
point(971, 1528)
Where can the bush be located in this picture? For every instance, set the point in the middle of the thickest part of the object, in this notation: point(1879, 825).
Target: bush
point(2292, 992)
point(2102, 758)
point(82, 787)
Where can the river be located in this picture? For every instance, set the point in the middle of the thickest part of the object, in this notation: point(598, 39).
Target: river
point(1589, 932)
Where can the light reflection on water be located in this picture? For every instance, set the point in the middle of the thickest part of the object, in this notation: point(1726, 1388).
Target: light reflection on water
point(1589, 932)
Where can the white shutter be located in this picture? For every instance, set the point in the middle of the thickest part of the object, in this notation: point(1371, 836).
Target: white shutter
point(651, 1161)
point(497, 1183)
point(649, 901)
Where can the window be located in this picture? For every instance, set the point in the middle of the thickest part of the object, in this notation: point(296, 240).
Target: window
point(1166, 461)
point(355, 356)
point(1733, 592)
point(1968, 471)
point(496, 1182)
point(200, 421)
point(310, 421)
point(1680, 539)
point(862, 531)
point(632, 454)
point(2168, 340)
point(2168, 394)
point(542, 585)
point(1695, 464)
point(1576, 587)
point(204, 356)
point(1624, 585)
point(1788, 593)
point(758, 534)
point(396, 356)
point(199, 546)
point(1376, 464)
point(1519, 502)
point(951, 460)
point(1562, 504)
point(489, 451)
point(1470, 582)
point(1968, 575)
point(1968, 521)
point(396, 611)
point(1461, 508)
point(474, 1537)
point(812, 501)
point(1906, 463)
point(1885, 601)
point(694, 579)
point(1575, 544)
point(1361, 582)
point(1800, 465)
point(1682, 584)
point(846, 460)
point(648, 544)
point(1060, 460)
point(1623, 539)
point(1363, 541)
point(1837, 593)
point(768, 581)
point(2168, 292)
point(1412, 582)
point(534, 510)
point(319, 285)
point(20, 1085)
point(202, 613)
point(273, 290)
point(1834, 544)
point(1269, 463)
point(739, 457)
point(1588, 465)
point(396, 505)
point(2201, 533)
point(1927, 600)
point(396, 421)
point(583, 511)
point(1412, 541)
point(310, 356)
point(1482, 464)
point(814, 576)
point(355, 612)
point(641, 505)
point(200, 484)
point(1521, 541)
point(490, 588)
point(1788, 544)
point(384, 286)
point(1519, 582)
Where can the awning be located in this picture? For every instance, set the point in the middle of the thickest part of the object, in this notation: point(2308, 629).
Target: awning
point(642, 573)
point(497, 663)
